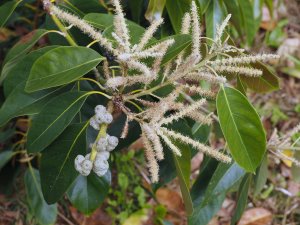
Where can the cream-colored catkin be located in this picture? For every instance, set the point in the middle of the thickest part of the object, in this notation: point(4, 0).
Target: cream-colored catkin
point(120, 25)
point(148, 34)
point(83, 26)
point(152, 136)
point(198, 90)
point(244, 59)
point(151, 161)
point(183, 112)
point(203, 148)
point(169, 143)
point(196, 32)
point(239, 70)
point(207, 76)
point(185, 29)
point(199, 117)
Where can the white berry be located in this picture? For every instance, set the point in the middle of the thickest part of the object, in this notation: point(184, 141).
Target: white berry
point(101, 173)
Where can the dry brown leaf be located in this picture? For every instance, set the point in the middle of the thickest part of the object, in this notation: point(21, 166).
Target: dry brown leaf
point(256, 216)
point(171, 199)
point(99, 217)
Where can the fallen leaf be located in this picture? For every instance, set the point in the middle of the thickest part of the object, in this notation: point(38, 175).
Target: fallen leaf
point(256, 216)
point(171, 199)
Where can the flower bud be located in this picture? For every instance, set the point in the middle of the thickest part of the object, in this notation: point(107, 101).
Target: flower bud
point(101, 144)
point(100, 165)
point(113, 141)
point(101, 173)
point(79, 159)
point(100, 109)
point(103, 155)
point(94, 123)
point(107, 118)
point(87, 165)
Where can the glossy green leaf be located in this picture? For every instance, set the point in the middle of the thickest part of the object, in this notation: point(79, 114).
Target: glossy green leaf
point(155, 9)
point(88, 193)
point(242, 128)
point(6, 10)
point(21, 103)
point(5, 156)
point(261, 176)
point(136, 8)
point(19, 50)
point(240, 85)
point(265, 83)
point(57, 163)
point(176, 10)
point(236, 16)
point(61, 66)
point(99, 20)
point(44, 214)
point(53, 119)
point(224, 178)
point(183, 170)
point(182, 41)
point(248, 19)
point(242, 199)
point(213, 17)
point(204, 5)
point(21, 71)
point(202, 215)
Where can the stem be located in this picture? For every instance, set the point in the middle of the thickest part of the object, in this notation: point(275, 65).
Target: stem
point(102, 133)
point(64, 30)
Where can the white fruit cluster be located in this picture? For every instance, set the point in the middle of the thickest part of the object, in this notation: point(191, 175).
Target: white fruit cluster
point(104, 145)
point(101, 116)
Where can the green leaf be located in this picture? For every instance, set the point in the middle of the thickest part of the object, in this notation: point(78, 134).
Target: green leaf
point(236, 16)
point(6, 10)
point(99, 20)
point(265, 83)
point(88, 193)
point(213, 17)
point(19, 50)
point(204, 5)
point(5, 156)
point(182, 41)
point(45, 214)
point(21, 71)
point(248, 19)
point(223, 179)
point(51, 69)
point(136, 8)
point(21, 103)
point(202, 215)
point(261, 176)
point(242, 128)
point(57, 163)
point(240, 85)
point(242, 199)
point(53, 119)
point(183, 170)
point(155, 9)
point(176, 10)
